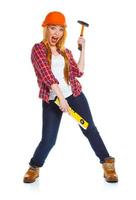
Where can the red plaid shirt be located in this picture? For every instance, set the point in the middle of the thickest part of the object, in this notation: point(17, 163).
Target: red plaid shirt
point(46, 78)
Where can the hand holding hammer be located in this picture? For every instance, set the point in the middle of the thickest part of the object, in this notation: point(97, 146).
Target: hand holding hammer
point(82, 31)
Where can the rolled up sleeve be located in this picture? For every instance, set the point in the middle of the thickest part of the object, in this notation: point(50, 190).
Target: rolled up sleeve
point(75, 70)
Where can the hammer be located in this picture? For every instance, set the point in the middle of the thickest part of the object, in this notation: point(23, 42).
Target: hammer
point(82, 31)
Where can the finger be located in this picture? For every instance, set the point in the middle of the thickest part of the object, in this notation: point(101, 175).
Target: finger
point(63, 109)
point(68, 111)
point(81, 42)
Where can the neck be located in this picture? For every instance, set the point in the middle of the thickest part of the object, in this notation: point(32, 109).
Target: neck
point(54, 50)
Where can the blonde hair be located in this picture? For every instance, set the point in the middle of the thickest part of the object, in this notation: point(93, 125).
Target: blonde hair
point(61, 47)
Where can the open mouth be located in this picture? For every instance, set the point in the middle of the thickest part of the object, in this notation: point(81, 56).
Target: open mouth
point(54, 39)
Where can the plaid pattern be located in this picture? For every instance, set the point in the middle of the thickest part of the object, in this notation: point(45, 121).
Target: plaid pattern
point(46, 78)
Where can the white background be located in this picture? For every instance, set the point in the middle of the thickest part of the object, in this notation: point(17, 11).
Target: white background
point(72, 171)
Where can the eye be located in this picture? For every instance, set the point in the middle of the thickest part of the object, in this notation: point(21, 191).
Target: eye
point(61, 29)
point(52, 27)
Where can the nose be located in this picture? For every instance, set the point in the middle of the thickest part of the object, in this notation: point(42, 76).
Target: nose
point(57, 32)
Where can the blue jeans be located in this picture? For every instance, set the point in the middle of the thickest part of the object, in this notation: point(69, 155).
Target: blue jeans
point(51, 120)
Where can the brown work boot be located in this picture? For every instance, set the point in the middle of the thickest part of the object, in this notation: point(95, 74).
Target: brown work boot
point(31, 175)
point(109, 170)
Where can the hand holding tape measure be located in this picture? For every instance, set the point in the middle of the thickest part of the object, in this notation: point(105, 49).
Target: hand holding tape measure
point(82, 122)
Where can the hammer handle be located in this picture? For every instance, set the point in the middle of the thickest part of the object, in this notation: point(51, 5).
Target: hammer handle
point(81, 34)
point(82, 30)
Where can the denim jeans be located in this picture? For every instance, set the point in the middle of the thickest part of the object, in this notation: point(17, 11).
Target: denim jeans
point(51, 120)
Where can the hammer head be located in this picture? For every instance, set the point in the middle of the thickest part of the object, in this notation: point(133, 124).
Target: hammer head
point(83, 23)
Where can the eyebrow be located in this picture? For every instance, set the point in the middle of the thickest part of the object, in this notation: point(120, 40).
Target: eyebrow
point(56, 25)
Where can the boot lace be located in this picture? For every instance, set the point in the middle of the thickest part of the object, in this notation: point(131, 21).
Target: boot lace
point(110, 166)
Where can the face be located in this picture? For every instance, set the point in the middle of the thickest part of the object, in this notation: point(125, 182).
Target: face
point(55, 33)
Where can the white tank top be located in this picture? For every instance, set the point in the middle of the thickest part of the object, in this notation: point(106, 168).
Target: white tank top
point(57, 66)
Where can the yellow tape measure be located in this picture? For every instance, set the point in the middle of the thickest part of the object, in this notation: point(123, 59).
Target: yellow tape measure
point(82, 122)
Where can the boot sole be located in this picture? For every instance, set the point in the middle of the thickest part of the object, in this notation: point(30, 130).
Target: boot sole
point(111, 181)
point(30, 181)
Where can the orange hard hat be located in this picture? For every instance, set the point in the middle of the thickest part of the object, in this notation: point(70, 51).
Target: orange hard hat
point(54, 18)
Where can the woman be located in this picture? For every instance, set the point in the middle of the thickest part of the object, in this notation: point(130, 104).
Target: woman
point(56, 72)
